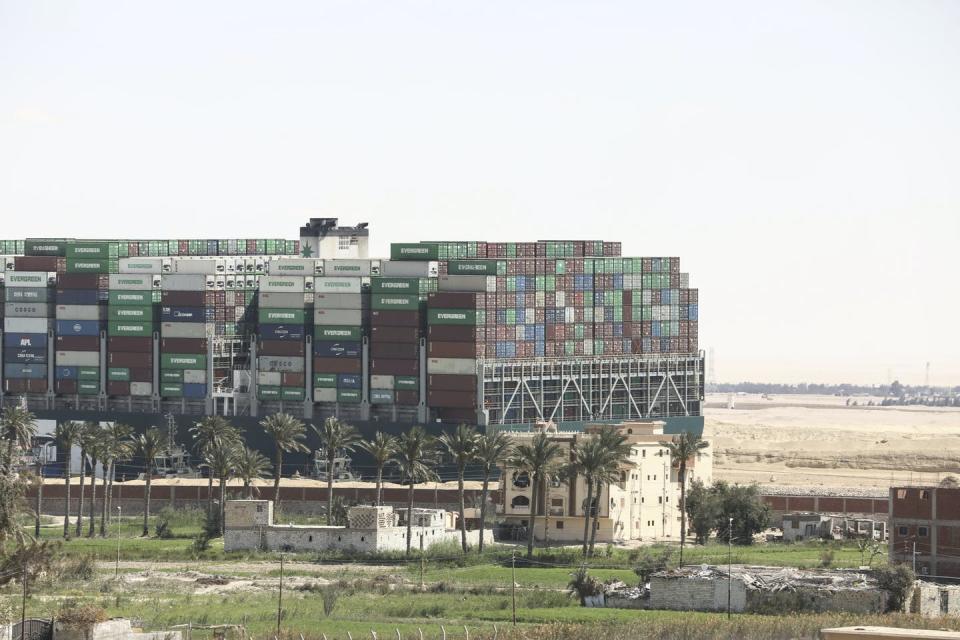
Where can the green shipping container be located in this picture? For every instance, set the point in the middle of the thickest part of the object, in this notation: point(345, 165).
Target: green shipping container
point(414, 251)
point(124, 313)
point(406, 382)
point(292, 393)
point(337, 332)
point(92, 250)
point(166, 375)
point(135, 329)
point(348, 395)
point(452, 316)
point(88, 373)
point(282, 316)
point(183, 361)
point(395, 285)
point(324, 380)
point(268, 393)
point(397, 302)
point(87, 265)
point(44, 248)
point(118, 374)
point(472, 267)
point(171, 389)
point(88, 387)
point(381, 396)
point(132, 298)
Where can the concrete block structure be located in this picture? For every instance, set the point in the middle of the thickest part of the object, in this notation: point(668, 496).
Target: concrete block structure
point(925, 529)
point(249, 525)
point(643, 505)
point(805, 526)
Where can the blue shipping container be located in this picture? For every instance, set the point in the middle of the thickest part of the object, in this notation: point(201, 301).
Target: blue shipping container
point(78, 327)
point(330, 349)
point(32, 371)
point(66, 373)
point(182, 314)
point(348, 381)
point(281, 331)
point(194, 390)
point(25, 340)
point(78, 296)
point(24, 356)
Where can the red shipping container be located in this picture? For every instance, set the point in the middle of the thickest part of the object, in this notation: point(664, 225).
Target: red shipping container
point(380, 317)
point(81, 281)
point(450, 382)
point(118, 388)
point(24, 385)
point(65, 386)
point(455, 332)
point(407, 397)
point(456, 300)
point(78, 343)
point(37, 263)
point(389, 367)
point(290, 379)
point(183, 345)
point(399, 350)
point(394, 334)
point(336, 365)
point(439, 349)
point(183, 298)
point(124, 359)
point(281, 348)
point(130, 344)
point(141, 374)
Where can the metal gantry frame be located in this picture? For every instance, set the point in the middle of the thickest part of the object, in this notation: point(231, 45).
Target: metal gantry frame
point(591, 388)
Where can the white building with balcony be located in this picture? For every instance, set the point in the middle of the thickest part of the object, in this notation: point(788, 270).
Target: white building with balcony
point(643, 505)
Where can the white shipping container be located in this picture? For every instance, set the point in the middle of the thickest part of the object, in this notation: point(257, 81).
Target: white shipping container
point(280, 363)
point(28, 278)
point(409, 269)
point(465, 283)
point(351, 317)
point(145, 265)
point(195, 376)
point(28, 310)
point(78, 359)
point(134, 281)
point(324, 395)
point(186, 282)
point(141, 389)
point(269, 378)
point(295, 267)
point(287, 284)
point(27, 325)
point(269, 300)
point(351, 267)
point(337, 285)
point(452, 366)
point(80, 312)
point(341, 300)
point(185, 330)
point(381, 382)
point(202, 266)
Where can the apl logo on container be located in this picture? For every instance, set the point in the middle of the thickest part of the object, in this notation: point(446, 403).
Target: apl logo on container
point(26, 342)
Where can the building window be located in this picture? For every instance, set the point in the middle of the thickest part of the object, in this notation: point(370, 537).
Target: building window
point(644, 453)
point(922, 532)
point(660, 500)
point(309, 538)
point(520, 501)
point(521, 479)
point(559, 524)
point(344, 243)
point(903, 531)
point(924, 494)
point(259, 508)
point(901, 494)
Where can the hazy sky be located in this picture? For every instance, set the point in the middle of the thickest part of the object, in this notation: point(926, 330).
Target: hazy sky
point(803, 158)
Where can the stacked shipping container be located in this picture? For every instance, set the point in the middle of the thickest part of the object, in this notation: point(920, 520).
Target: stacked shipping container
point(27, 319)
point(283, 328)
point(341, 308)
point(186, 315)
point(132, 318)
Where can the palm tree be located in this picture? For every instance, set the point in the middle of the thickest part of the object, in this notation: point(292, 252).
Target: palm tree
point(335, 436)
point(117, 447)
point(19, 426)
point(539, 459)
point(682, 449)
point(491, 450)
point(461, 444)
point(95, 448)
point(288, 434)
point(67, 433)
point(210, 432)
point(220, 461)
point(614, 451)
point(415, 457)
point(250, 465)
point(382, 449)
point(585, 461)
point(149, 445)
point(87, 434)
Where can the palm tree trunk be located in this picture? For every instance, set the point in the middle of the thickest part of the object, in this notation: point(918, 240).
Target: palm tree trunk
point(483, 507)
point(546, 514)
point(209, 493)
point(146, 502)
point(93, 496)
point(66, 508)
point(533, 516)
point(379, 482)
point(596, 518)
point(248, 489)
point(276, 479)
point(9, 468)
point(588, 510)
point(409, 515)
point(223, 501)
point(83, 473)
point(103, 504)
point(329, 490)
point(463, 519)
point(683, 501)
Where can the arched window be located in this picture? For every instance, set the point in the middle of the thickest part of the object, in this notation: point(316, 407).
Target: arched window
point(521, 479)
point(520, 501)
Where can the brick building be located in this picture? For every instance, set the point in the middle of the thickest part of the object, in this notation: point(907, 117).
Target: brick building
point(925, 522)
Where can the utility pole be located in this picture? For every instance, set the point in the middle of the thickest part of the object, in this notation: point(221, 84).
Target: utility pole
point(36, 525)
point(513, 584)
point(729, 564)
point(280, 599)
point(914, 557)
point(23, 603)
point(421, 560)
point(116, 573)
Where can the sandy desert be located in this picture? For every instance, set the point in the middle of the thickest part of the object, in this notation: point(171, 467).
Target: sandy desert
point(818, 442)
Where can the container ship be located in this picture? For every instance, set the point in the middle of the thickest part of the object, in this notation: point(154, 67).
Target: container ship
point(496, 334)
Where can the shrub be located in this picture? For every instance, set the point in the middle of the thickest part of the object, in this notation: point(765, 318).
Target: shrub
point(826, 558)
point(82, 617)
point(896, 581)
point(163, 528)
point(651, 560)
point(79, 568)
point(583, 585)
